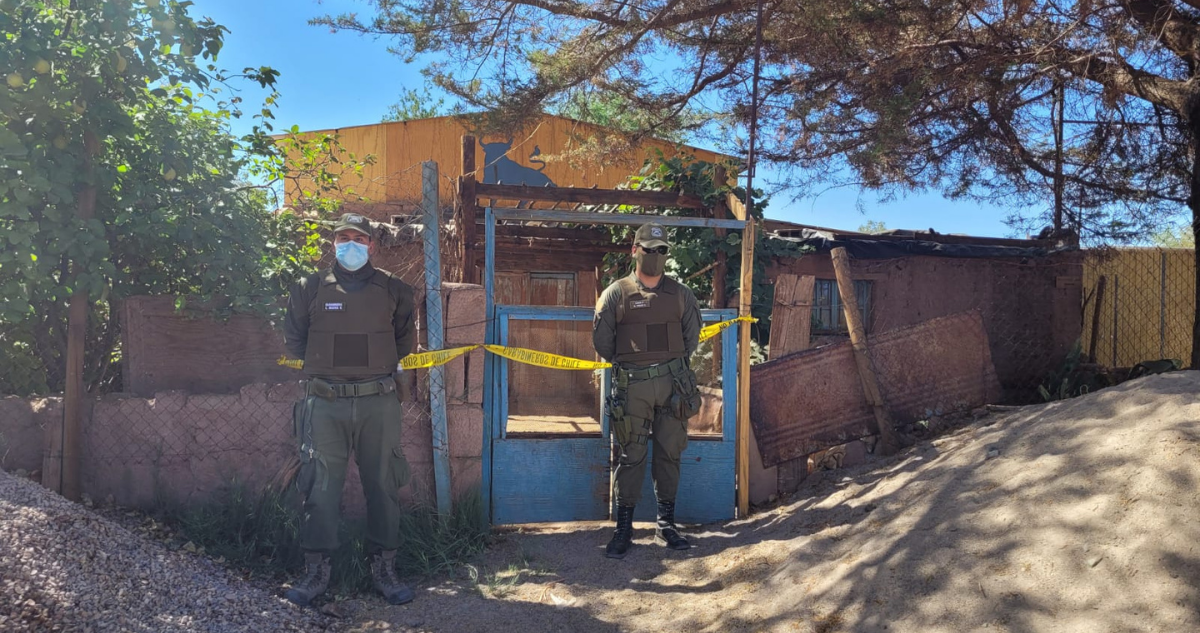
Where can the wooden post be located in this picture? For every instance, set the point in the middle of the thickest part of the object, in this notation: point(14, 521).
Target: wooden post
point(889, 442)
point(1100, 284)
point(791, 316)
point(720, 212)
point(745, 292)
point(435, 335)
point(469, 207)
point(71, 483)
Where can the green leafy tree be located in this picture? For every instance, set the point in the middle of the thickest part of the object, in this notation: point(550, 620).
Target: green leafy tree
point(415, 105)
point(1174, 237)
point(872, 227)
point(119, 176)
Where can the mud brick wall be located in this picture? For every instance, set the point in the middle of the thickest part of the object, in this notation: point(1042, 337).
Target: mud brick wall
point(181, 446)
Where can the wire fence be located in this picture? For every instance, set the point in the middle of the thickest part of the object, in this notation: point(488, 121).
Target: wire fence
point(225, 414)
point(1038, 330)
point(1139, 306)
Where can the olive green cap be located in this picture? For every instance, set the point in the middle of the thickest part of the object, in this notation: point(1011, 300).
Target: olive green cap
point(651, 235)
point(354, 222)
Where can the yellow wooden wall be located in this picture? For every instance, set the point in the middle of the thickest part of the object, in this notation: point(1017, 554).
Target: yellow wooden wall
point(1148, 304)
point(400, 148)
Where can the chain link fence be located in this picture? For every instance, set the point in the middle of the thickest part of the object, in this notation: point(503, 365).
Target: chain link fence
point(231, 422)
point(1139, 306)
point(1035, 330)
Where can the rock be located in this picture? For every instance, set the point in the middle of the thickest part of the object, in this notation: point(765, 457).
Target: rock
point(415, 622)
point(1094, 560)
point(993, 452)
point(21, 472)
point(333, 610)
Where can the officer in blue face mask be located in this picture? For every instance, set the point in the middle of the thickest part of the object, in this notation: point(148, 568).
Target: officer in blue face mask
point(351, 324)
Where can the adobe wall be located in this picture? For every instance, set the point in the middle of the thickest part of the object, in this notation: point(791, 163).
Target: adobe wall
point(180, 447)
point(1031, 307)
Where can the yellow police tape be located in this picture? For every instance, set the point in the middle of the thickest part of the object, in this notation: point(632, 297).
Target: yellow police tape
point(434, 358)
point(544, 359)
point(437, 357)
point(710, 331)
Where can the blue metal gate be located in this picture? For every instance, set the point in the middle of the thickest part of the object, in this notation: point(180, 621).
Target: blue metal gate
point(547, 477)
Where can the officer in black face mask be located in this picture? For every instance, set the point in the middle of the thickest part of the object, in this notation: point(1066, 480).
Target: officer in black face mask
point(648, 325)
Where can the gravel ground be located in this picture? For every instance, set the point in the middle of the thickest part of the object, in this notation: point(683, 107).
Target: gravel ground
point(64, 568)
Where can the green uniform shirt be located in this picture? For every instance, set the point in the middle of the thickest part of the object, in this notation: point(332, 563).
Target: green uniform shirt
point(604, 325)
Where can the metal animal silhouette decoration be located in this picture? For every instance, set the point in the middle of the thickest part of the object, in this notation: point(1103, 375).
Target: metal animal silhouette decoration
point(499, 168)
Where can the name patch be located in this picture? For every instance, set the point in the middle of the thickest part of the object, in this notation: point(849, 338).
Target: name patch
point(335, 307)
point(640, 303)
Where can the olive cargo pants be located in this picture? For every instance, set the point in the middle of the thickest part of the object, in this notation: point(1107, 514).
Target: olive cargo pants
point(648, 406)
point(327, 430)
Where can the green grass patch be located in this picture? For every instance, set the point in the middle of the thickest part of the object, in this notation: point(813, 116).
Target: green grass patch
point(260, 533)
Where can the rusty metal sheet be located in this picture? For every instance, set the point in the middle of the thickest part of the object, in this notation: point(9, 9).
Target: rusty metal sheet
point(808, 401)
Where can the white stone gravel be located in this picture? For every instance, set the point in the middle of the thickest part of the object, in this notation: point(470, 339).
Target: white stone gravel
point(64, 568)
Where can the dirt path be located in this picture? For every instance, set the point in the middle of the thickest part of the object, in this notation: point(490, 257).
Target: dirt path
point(1078, 516)
point(1074, 516)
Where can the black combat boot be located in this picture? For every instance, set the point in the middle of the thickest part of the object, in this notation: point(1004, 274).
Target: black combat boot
point(315, 581)
point(383, 574)
point(622, 538)
point(666, 532)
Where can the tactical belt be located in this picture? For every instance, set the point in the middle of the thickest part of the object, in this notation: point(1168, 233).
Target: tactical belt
point(653, 371)
point(326, 389)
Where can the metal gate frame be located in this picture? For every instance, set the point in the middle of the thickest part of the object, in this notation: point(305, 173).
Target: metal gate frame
point(700, 499)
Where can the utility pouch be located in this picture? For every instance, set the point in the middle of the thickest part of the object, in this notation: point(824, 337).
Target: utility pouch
point(685, 402)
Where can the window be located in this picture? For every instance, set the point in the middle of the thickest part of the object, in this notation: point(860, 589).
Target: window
point(827, 313)
point(401, 220)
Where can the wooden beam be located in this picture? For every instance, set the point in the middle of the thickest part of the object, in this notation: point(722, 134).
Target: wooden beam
point(745, 293)
point(553, 246)
point(719, 212)
point(738, 207)
point(624, 219)
point(470, 207)
point(71, 484)
point(588, 196)
point(555, 233)
point(888, 440)
point(1100, 284)
point(791, 316)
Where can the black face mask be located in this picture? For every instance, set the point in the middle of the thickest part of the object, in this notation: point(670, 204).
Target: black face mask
point(650, 264)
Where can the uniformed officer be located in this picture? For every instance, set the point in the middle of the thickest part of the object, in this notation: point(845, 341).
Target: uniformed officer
point(648, 325)
point(351, 324)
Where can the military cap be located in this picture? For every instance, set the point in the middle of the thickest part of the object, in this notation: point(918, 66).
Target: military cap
point(354, 222)
point(651, 235)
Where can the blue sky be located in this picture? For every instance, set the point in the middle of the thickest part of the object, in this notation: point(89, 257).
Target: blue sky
point(340, 79)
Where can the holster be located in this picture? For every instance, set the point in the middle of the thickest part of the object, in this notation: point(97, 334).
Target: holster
point(623, 426)
point(615, 405)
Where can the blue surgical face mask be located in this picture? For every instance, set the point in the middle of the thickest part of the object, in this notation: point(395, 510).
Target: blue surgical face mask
point(352, 255)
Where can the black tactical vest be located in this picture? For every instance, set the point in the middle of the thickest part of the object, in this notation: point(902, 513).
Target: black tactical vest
point(649, 322)
point(350, 334)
